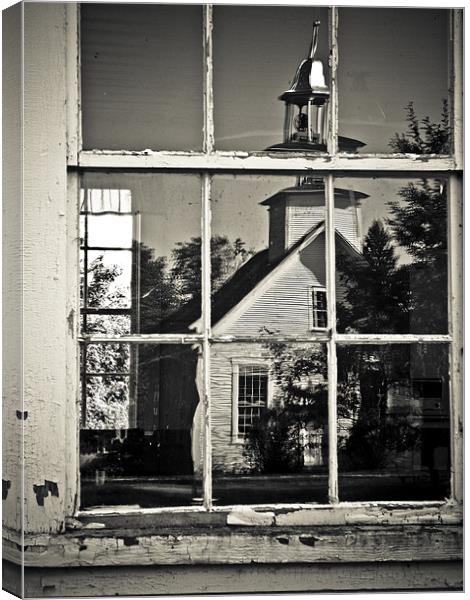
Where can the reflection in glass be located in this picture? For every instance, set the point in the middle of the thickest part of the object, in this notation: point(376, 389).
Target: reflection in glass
point(140, 253)
point(393, 422)
point(138, 406)
point(274, 248)
point(141, 76)
point(269, 423)
point(256, 52)
point(393, 278)
point(389, 57)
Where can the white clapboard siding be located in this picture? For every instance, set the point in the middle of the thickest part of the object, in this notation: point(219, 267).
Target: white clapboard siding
point(301, 219)
point(286, 305)
point(227, 453)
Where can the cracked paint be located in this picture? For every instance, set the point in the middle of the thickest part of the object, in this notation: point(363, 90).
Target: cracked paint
point(42, 491)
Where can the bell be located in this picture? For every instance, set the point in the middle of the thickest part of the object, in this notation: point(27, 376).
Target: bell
point(306, 105)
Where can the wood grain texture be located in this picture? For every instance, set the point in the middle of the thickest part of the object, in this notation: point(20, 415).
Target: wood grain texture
point(12, 313)
point(45, 285)
point(252, 161)
point(129, 581)
point(455, 287)
point(324, 544)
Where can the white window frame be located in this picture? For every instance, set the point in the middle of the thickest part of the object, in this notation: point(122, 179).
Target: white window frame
point(210, 161)
point(313, 312)
point(237, 438)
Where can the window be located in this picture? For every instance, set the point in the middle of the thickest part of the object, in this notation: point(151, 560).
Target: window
point(246, 205)
point(223, 344)
point(251, 397)
point(319, 308)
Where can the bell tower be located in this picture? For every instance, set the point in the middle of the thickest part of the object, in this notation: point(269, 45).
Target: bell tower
point(294, 211)
point(306, 102)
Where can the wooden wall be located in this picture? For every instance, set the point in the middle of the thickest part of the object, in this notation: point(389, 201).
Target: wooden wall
point(12, 272)
point(217, 579)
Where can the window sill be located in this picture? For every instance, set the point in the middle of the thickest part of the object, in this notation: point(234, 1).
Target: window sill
point(347, 532)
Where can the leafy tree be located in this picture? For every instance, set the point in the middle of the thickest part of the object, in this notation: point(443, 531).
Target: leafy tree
point(107, 398)
point(278, 441)
point(423, 137)
point(383, 297)
point(163, 290)
point(226, 258)
point(158, 297)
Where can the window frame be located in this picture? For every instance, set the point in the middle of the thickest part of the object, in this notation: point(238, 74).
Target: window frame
point(329, 165)
point(246, 361)
point(313, 291)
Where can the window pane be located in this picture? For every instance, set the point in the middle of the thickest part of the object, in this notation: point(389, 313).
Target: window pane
point(269, 423)
point(268, 251)
point(138, 407)
point(154, 286)
point(256, 54)
point(389, 58)
point(393, 422)
point(110, 230)
point(108, 275)
point(392, 259)
point(141, 76)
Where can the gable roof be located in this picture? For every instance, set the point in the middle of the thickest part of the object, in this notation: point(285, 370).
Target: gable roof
point(250, 280)
point(313, 188)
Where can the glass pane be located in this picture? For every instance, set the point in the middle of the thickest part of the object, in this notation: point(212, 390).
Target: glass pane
point(141, 76)
point(269, 423)
point(393, 422)
point(268, 253)
point(389, 58)
point(257, 51)
point(138, 407)
point(108, 275)
point(154, 286)
point(110, 230)
point(392, 257)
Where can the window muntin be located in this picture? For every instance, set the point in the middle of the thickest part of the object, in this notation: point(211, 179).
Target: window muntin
point(252, 396)
point(330, 249)
point(319, 311)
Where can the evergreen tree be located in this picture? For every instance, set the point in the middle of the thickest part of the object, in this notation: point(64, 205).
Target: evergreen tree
point(425, 137)
point(374, 299)
point(419, 224)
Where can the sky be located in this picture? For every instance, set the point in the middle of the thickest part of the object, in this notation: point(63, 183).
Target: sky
point(142, 72)
point(142, 84)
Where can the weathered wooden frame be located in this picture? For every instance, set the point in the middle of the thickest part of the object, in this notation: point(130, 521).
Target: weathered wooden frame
point(353, 542)
point(330, 165)
point(44, 534)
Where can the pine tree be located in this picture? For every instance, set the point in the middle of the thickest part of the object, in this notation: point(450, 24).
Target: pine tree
point(425, 137)
point(419, 225)
point(374, 300)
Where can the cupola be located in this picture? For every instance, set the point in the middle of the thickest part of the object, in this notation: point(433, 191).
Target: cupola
point(294, 211)
point(306, 108)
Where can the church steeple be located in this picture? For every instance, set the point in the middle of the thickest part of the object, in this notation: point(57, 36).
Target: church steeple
point(306, 107)
point(294, 211)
